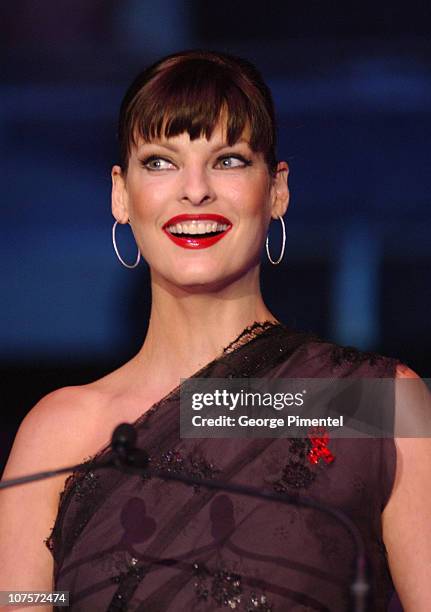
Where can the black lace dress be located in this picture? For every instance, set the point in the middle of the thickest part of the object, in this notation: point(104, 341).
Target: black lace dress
point(127, 542)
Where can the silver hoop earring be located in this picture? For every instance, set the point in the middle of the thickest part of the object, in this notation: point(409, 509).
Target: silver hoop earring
point(114, 242)
point(282, 246)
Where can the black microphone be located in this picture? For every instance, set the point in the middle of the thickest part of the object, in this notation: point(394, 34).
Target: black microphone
point(126, 455)
point(123, 438)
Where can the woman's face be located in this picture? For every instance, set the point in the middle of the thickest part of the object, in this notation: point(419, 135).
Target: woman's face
point(175, 189)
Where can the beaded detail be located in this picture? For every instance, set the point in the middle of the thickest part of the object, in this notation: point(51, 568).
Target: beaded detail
point(258, 603)
point(134, 570)
point(191, 464)
point(85, 488)
point(340, 355)
point(225, 589)
point(296, 473)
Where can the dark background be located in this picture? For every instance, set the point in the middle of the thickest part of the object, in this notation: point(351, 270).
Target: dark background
point(352, 89)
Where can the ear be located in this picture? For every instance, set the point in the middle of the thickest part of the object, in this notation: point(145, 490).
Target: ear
point(280, 190)
point(119, 198)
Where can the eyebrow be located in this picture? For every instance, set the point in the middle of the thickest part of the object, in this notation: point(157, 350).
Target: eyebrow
point(158, 144)
point(171, 147)
point(227, 146)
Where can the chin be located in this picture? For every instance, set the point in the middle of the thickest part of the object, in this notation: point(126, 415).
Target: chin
point(211, 274)
point(199, 282)
point(196, 280)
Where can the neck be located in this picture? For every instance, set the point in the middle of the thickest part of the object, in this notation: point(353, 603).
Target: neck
point(188, 329)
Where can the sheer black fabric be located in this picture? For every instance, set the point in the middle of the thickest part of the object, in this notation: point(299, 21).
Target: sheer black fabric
point(127, 542)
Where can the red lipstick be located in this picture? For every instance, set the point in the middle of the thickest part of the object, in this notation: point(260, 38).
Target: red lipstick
point(197, 241)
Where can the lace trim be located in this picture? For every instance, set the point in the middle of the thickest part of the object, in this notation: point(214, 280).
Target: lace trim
point(341, 355)
point(247, 334)
point(86, 486)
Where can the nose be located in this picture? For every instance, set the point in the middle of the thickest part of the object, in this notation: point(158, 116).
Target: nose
point(196, 188)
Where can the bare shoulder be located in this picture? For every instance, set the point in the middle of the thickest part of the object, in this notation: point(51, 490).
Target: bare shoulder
point(58, 428)
point(406, 519)
point(71, 424)
point(64, 428)
point(51, 436)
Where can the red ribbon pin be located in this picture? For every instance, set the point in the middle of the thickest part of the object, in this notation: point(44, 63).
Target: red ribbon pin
point(319, 439)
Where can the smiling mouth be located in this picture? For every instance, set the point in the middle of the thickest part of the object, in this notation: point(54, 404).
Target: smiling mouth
point(197, 231)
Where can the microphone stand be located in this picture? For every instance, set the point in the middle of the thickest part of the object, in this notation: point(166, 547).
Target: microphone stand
point(133, 460)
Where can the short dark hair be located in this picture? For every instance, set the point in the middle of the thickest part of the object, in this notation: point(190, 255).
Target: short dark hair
point(188, 91)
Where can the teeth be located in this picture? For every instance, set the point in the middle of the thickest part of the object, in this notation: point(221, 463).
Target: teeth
point(197, 227)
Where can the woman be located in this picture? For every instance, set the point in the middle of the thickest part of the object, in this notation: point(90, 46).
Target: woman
point(199, 183)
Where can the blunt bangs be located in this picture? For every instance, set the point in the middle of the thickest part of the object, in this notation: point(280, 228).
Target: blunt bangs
point(192, 92)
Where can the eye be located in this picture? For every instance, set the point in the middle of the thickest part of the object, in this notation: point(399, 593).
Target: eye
point(154, 163)
point(233, 161)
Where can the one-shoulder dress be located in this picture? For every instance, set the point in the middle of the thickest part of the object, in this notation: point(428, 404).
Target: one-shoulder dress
point(132, 542)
